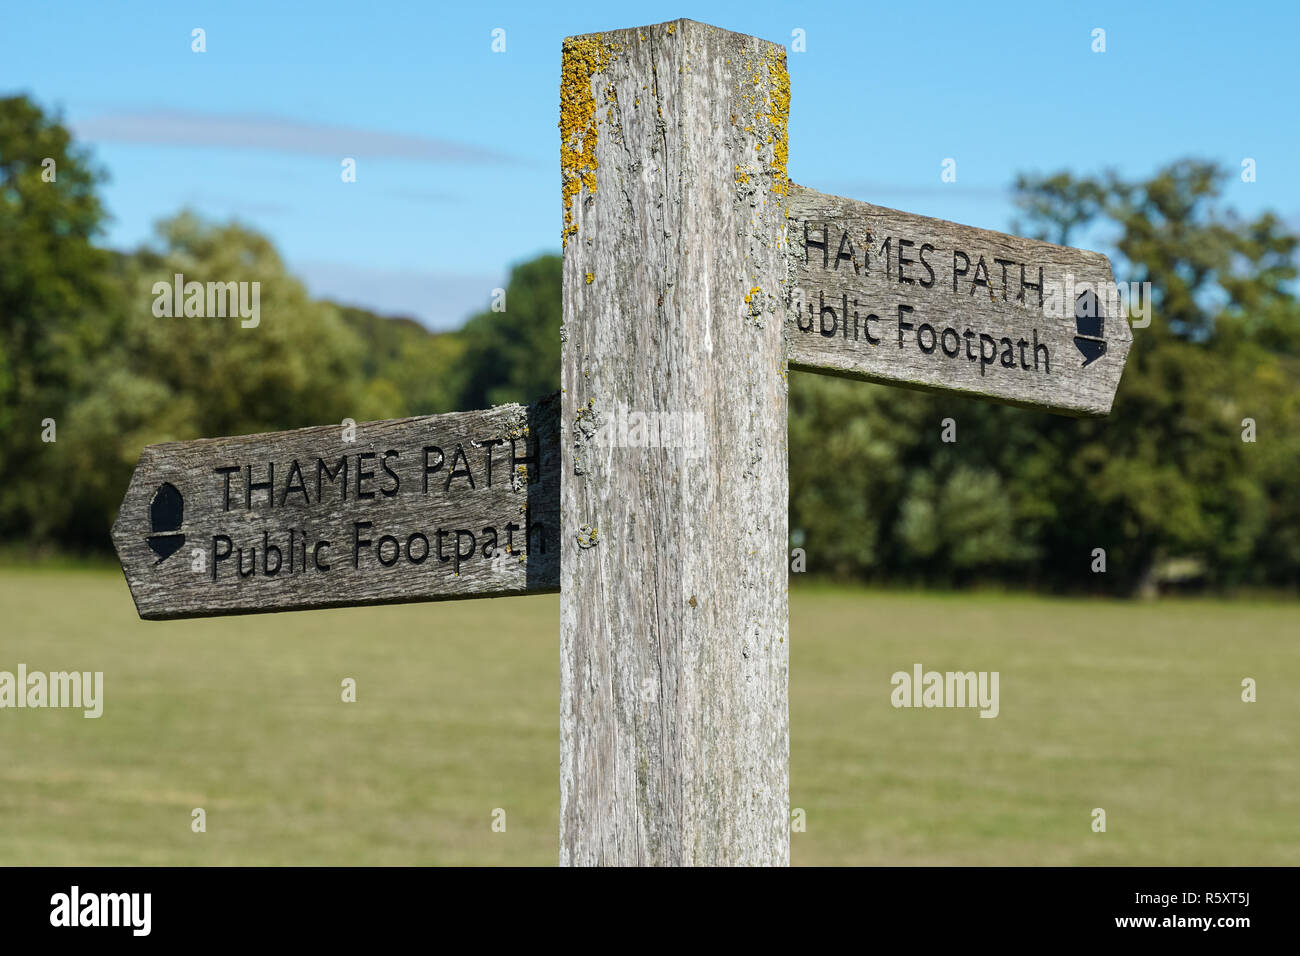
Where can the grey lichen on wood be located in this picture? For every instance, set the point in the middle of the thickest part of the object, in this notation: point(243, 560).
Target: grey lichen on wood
point(674, 651)
point(889, 296)
point(412, 509)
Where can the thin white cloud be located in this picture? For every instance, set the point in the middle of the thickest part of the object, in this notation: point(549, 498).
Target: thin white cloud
point(440, 300)
point(865, 190)
point(255, 131)
point(238, 206)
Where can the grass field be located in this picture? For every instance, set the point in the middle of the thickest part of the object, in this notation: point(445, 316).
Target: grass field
point(1134, 708)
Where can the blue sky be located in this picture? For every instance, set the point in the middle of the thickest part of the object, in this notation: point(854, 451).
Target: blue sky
point(457, 147)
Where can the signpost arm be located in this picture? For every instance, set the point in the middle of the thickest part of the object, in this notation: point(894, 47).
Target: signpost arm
point(674, 623)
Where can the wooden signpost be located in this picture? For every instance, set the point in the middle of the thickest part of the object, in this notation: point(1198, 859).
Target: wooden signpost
point(891, 297)
point(655, 496)
point(687, 252)
point(414, 509)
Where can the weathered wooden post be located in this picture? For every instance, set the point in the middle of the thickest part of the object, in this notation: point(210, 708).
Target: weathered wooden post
point(674, 718)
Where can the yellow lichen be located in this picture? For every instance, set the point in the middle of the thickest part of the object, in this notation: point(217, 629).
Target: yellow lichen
point(583, 58)
point(672, 28)
point(591, 277)
point(779, 104)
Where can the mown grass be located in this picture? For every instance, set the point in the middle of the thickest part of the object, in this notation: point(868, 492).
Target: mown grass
point(1134, 708)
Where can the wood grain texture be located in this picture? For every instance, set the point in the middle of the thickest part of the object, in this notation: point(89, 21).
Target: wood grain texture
point(674, 719)
point(379, 477)
point(847, 282)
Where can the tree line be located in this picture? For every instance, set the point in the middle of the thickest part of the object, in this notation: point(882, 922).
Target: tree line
point(1170, 490)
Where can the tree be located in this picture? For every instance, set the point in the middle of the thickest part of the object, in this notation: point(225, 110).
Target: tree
point(177, 377)
point(56, 310)
point(408, 370)
point(1026, 497)
point(514, 356)
point(1167, 474)
point(1021, 497)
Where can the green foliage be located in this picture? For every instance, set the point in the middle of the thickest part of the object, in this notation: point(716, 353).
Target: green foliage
point(80, 343)
point(56, 312)
point(1020, 497)
point(1167, 475)
point(297, 367)
point(514, 355)
point(407, 370)
point(175, 378)
point(1166, 479)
